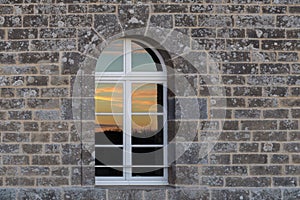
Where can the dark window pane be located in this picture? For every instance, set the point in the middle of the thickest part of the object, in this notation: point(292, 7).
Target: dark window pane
point(147, 129)
point(108, 171)
point(109, 137)
point(109, 156)
point(147, 171)
point(111, 58)
point(147, 97)
point(147, 156)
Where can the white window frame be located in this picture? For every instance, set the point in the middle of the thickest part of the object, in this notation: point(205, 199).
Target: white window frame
point(127, 77)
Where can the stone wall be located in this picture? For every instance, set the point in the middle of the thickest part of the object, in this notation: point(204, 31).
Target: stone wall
point(240, 62)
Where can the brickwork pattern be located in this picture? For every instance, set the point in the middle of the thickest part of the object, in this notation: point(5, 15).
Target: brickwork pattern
point(48, 52)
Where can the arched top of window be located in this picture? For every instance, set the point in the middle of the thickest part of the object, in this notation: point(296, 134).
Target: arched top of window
point(129, 57)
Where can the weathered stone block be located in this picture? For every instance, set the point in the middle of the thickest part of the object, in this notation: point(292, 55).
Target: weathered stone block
point(35, 21)
point(54, 92)
point(19, 115)
point(47, 194)
point(15, 160)
point(261, 194)
point(176, 194)
point(71, 20)
point(94, 8)
point(60, 171)
point(255, 21)
point(46, 160)
point(215, 20)
point(184, 20)
point(248, 182)
point(54, 126)
point(171, 8)
point(32, 148)
point(107, 25)
point(249, 159)
point(230, 194)
point(10, 126)
point(38, 57)
point(187, 175)
point(223, 170)
point(248, 147)
point(280, 113)
point(230, 33)
point(10, 21)
point(288, 21)
point(21, 181)
point(265, 170)
point(35, 171)
point(285, 181)
point(279, 159)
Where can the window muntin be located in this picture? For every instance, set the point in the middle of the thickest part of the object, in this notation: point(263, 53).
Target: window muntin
point(130, 109)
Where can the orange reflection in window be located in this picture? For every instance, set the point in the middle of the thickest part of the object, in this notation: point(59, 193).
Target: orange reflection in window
point(109, 98)
point(110, 123)
point(144, 97)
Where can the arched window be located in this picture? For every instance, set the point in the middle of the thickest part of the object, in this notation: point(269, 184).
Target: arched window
point(130, 115)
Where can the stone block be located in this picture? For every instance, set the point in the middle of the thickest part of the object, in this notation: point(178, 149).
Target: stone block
point(279, 113)
point(279, 159)
point(230, 194)
point(285, 181)
point(184, 20)
point(288, 21)
point(94, 8)
point(32, 148)
point(248, 182)
point(35, 21)
point(35, 171)
point(223, 170)
point(46, 160)
point(41, 193)
point(249, 159)
point(84, 20)
point(10, 21)
point(171, 8)
point(265, 170)
point(35, 58)
point(255, 21)
point(215, 21)
point(262, 194)
point(15, 160)
point(176, 194)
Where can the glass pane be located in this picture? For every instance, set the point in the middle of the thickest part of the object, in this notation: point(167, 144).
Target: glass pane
point(109, 129)
point(109, 171)
point(143, 59)
point(109, 156)
point(147, 156)
point(147, 97)
point(147, 171)
point(111, 58)
point(147, 129)
point(109, 98)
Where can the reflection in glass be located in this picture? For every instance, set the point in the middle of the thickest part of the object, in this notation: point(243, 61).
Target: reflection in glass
point(109, 129)
point(109, 171)
point(108, 156)
point(147, 129)
point(143, 59)
point(109, 97)
point(147, 171)
point(147, 156)
point(111, 59)
point(147, 97)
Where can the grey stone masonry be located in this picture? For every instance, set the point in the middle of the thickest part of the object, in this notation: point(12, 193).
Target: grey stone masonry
point(233, 100)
